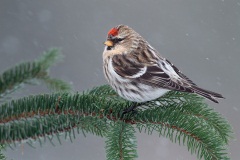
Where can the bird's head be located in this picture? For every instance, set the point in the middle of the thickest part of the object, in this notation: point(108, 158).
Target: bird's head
point(120, 38)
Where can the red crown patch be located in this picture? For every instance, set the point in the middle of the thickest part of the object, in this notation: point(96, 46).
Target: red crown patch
point(113, 32)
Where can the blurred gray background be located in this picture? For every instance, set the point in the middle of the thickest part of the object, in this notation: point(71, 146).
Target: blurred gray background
point(202, 38)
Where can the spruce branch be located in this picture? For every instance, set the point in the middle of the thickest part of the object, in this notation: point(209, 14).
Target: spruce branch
point(52, 56)
point(27, 73)
point(23, 73)
point(200, 110)
point(181, 117)
point(2, 157)
point(121, 142)
point(56, 84)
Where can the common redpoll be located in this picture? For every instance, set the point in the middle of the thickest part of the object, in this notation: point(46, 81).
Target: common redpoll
point(138, 73)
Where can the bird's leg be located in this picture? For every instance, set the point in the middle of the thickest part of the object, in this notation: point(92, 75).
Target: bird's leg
point(130, 109)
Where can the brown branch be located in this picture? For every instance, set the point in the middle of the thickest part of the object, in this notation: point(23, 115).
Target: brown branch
point(109, 116)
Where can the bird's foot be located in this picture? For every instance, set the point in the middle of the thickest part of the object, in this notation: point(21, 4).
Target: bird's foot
point(131, 109)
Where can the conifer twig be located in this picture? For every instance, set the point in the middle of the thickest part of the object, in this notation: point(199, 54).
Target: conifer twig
point(99, 112)
point(26, 72)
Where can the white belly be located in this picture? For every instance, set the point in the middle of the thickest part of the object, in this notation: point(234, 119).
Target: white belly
point(136, 93)
point(141, 93)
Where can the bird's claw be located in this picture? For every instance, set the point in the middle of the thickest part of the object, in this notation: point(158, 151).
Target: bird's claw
point(131, 109)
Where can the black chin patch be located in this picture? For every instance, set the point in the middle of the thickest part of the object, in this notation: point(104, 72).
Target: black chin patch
point(109, 48)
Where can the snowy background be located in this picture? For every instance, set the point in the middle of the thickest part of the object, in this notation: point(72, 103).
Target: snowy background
point(202, 38)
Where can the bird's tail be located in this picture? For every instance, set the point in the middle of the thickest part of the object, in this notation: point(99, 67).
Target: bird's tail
point(207, 94)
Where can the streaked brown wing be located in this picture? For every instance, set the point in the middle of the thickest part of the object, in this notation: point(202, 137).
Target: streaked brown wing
point(153, 75)
point(181, 74)
point(124, 67)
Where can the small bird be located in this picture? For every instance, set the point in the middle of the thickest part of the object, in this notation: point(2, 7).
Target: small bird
point(138, 73)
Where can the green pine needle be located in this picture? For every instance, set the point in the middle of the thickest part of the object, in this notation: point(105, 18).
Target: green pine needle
point(57, 84)
point(2, 157)
point(49, 58)
point(23, 73)
point(183, 118)
point(121, 142)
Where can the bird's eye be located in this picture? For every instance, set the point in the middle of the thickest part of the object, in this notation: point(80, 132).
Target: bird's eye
point(116, 40)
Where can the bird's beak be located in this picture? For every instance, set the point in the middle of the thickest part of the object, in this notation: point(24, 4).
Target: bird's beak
point(108, 43)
